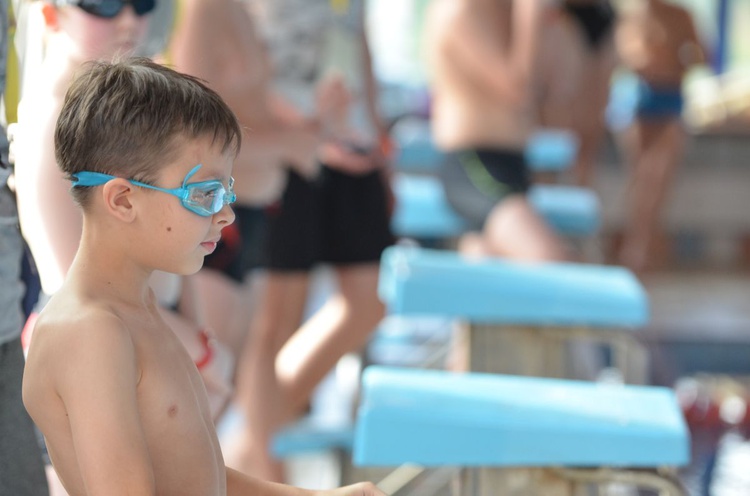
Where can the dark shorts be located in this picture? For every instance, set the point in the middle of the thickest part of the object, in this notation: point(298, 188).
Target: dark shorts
point(242, 244)
point(475, 181)
point(596, 21)
point(337, 218)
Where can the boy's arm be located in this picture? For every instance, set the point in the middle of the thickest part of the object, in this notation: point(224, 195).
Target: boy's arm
point(96, 375)
point(239, 484)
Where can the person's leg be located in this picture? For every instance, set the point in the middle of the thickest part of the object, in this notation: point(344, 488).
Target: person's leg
point(593, 97)
point(341, 326)
point(514, 230)
point(355, 231)
point(654, 166)
point(21, 467)
point(279, 311)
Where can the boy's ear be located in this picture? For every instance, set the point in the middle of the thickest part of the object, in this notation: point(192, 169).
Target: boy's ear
point(118, 196)
point(49, 12)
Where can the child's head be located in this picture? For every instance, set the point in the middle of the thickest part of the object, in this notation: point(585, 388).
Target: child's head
point(130, 118)
point(99, 29)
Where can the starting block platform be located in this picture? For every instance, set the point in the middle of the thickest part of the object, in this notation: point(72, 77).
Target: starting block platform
point(504, 426)
point(518, 318)
point(434, 418)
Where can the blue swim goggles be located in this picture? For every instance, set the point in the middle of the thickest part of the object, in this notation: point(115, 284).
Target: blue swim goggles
point(204, 198)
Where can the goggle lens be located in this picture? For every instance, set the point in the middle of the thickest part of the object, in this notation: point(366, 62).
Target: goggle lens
point(108, 9)
point(209, 197)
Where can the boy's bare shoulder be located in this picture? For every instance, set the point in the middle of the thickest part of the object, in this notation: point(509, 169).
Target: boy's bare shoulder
point(70, 331)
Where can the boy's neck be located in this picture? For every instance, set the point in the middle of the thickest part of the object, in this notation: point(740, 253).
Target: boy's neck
point(104, 268)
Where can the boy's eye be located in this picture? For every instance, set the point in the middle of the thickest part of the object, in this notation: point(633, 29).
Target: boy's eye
point(204, 194)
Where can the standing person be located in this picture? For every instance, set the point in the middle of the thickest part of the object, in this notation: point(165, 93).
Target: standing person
point(657, 41)
point(21, 466)
point(336, 213)
point(121, 404)
point(273, 143)
point(483, 56)
point(76, 32)
point(577, 61)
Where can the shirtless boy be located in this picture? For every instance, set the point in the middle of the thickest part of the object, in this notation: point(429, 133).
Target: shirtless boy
point(483, 55)
point(121, 404)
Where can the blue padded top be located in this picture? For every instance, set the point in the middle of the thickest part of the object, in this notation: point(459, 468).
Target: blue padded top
point(551, 150)
point(547, 150)
point(433, 418)
point(417, 281)
point(569, 210)
point(423, 211)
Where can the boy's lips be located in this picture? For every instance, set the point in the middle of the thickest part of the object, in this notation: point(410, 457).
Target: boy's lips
point(210, 246)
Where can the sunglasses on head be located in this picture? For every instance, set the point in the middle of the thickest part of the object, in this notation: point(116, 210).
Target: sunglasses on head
point(109, 9)
point(204, 198)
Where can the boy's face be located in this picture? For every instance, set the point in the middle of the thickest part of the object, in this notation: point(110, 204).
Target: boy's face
point(181, 238)
point(95, 37)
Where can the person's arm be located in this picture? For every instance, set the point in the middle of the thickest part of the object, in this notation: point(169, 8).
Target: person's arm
point(239, 484)
point(692, 52)
point(96, 376)
point(50, 220)
point(370, 81)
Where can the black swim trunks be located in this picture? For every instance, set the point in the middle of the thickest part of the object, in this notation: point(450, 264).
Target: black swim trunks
point(475, 181)
point(596, 19)
point(337, 218)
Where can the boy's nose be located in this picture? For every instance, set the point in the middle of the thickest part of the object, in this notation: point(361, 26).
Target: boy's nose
point(225, 216)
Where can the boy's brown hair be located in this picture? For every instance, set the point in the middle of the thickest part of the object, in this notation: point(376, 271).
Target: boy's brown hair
point(129, 118)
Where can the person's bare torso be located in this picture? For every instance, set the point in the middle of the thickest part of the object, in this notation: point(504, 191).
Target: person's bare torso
point(657, 41)
point(174, 414)
point(465, 113)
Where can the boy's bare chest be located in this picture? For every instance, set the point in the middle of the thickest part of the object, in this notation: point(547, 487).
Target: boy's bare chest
point(176, 419)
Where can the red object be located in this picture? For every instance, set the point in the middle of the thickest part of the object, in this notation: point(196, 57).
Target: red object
point(208, 350)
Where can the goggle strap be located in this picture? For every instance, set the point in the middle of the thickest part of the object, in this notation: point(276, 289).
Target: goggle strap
point(191, 174)
point(88, 178)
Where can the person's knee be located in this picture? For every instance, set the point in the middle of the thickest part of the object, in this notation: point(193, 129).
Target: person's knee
point(359, 294)
point(515, 230)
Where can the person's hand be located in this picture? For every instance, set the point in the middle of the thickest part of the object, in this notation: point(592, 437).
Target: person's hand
point(332, 99)
point(351, 158)
point(360, 489)
point(302, 153)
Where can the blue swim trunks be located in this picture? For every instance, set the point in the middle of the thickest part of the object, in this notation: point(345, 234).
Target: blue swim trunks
point(658, 103)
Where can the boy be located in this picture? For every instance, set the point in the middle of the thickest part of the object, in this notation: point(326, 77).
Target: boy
point(123, 409)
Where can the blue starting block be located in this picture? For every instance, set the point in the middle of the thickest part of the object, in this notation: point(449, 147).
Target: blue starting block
point(436, 418)
point(518, 317)
point(423, 211)
point(551, 150)
point(418, 281)
point(548, 150)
